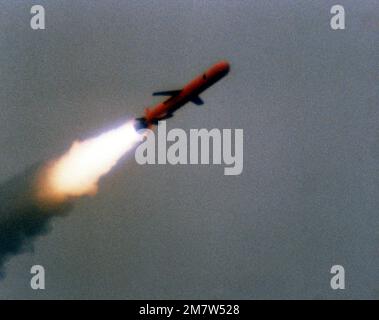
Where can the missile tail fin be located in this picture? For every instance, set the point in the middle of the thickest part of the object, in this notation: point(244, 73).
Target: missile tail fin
point(197, 100)
point(171, 93)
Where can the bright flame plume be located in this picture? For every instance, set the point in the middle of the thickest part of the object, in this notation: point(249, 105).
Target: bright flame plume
point(78, 171)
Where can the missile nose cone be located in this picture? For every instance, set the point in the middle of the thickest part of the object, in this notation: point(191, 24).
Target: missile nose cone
point(223, 66)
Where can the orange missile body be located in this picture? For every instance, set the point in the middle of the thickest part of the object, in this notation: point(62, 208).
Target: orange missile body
point(178, 98)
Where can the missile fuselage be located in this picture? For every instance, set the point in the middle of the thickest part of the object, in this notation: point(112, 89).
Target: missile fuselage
point(178, 98)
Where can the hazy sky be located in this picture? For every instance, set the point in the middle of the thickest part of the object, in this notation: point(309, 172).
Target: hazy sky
point(306, 97)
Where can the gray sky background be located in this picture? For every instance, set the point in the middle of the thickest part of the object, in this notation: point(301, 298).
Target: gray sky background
point(306, 97)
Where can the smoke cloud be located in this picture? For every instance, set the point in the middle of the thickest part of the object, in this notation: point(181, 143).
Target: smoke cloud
point(22, 217)
point(30, 200)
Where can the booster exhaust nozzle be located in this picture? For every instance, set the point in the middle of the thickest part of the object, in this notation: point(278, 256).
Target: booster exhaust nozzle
point(140, 124)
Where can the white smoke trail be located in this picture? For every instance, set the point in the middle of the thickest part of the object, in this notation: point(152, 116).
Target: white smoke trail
point(77, 172)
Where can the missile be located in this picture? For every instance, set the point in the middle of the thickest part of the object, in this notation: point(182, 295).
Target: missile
point(178, 98)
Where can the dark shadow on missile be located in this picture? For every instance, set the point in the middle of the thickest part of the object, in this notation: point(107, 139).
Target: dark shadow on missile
point(22, 219)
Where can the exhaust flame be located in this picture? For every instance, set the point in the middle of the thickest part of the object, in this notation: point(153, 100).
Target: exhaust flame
point(78, 171)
